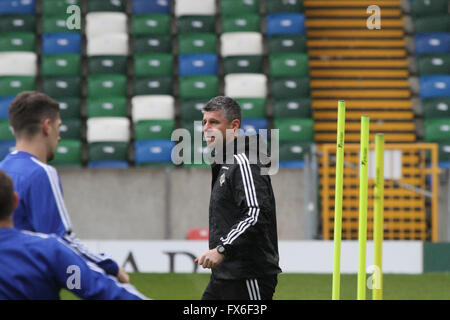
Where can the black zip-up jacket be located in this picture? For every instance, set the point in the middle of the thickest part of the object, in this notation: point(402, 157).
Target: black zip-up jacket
point(242, 218)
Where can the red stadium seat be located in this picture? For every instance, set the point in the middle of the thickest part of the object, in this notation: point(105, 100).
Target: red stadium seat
point(198, 234)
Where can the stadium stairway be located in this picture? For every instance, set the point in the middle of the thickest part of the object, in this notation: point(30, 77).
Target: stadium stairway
point(366, 68)
point(369, 69)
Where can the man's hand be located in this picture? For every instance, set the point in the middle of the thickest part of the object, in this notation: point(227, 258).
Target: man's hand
point(210, 259)
point(122, 276)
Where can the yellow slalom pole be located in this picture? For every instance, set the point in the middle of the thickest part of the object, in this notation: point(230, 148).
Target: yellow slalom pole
point(378, 218)
point(338, 201)
point(363, 197)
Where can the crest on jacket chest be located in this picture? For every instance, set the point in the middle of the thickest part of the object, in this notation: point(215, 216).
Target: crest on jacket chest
point(222, 179)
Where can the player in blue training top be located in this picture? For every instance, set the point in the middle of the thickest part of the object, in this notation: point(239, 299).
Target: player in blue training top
point(37, 266)
point(34, 118)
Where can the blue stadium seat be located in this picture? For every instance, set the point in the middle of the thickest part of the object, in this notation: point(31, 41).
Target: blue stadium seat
point(17, 7)
point(6, 146)
point(285, 23)
point(432, 43)
point(436, 86)
point(298, 164)
point(253, 125)
point(5, 101)
point(151, 6)
point(197, 64)
point(153, 151)
point(61, 43)
point(108, 164)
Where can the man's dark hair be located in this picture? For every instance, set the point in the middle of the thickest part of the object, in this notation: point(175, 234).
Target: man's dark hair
point(28, 110)
point(231, 108)
point(6, 196)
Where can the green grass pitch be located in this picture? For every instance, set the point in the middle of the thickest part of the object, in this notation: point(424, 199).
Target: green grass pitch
point(176, 286)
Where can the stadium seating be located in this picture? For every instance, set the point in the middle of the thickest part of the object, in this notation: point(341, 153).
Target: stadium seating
point(108, 44)
point(431, 23)
point(196, 24)
point(246, 85)
point(195, 7)
point(5, 101)
point(197, 234)
point(422, 8)
point(439, 23)
point(249, 22)
point(194, 87)
point(197, 64)
point(108, 129)
point(68, 153)
point(231, 7)
point(18, 64)
point(13, 85)
point(153, 107)
point(5, 130)
point(99, 23)
point(433, 64)
point(106, 6)
point(153, 103)
point(432, 43)
point(252, 107)
point(18, 60)
point(60, 65)
point(153, 152)
point(18, 23)
point(253, 125)
point(436, 107)
point(434, 86)
point(61, 77)
point(241, 44)
point(289, 79)
point(61, 43)
point(109, 64)
point(155, 66)
point(197, 43)
point(151, 6)
point(155, 24)
point(6, 146)
point(17, 7)
point(109, 106)
point(285, 23)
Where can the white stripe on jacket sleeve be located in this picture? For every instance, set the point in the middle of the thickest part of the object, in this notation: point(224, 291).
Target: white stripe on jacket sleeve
point(54, 183)
point(252, 202)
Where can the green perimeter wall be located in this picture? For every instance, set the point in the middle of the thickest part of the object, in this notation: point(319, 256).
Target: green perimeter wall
point(436, 257)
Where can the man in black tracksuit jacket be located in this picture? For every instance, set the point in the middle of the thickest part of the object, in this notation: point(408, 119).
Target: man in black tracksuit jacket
point(243, 240)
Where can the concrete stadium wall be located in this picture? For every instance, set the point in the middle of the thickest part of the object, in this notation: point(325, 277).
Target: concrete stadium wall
point(163, 203)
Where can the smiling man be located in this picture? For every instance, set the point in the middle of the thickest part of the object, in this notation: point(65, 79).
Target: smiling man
point(243, 242)
point(35, 120)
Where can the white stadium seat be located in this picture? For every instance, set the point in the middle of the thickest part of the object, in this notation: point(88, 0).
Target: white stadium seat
point(109, 44)
point(98, 23)
point(246, 85)
point(195, 8)
point(18, 64)
point(108, 129)
point(241, 43)
point(152, 107)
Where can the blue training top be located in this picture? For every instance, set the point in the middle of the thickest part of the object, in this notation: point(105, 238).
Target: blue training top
point(41, 206)
point(37, 266)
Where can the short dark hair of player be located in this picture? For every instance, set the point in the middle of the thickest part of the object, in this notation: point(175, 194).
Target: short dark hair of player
point(6, 196)
point(231, 108)
point(28, 110)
